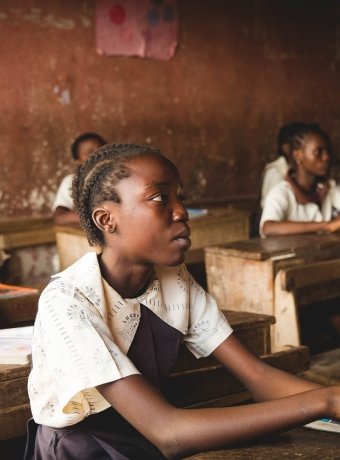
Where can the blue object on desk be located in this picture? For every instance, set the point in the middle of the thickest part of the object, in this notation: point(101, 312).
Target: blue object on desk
point(196, 212)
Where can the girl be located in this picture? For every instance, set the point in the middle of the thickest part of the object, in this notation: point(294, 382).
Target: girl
point(108, 330)
point(276, 170)
point(63, 207)
point(305, 201)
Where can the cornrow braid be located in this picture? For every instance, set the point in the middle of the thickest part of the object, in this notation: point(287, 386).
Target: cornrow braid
point(96, 179)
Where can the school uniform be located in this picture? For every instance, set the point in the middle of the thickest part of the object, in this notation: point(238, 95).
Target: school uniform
point(287, 202)
point(86, 335)
point(273, 173)
point(63, 196)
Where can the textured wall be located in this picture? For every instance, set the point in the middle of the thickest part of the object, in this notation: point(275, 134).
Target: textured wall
point(240, 70)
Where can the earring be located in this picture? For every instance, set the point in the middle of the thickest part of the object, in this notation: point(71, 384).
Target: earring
point(111, 228)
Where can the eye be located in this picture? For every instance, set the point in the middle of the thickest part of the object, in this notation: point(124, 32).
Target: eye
point(161, 197)
point(182, 198)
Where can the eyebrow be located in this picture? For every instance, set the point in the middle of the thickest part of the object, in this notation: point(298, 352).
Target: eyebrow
point(157, 184)
point(162, 184)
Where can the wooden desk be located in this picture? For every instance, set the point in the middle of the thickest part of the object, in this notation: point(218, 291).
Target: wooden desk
point(14, 404)
point(300, 443)
point(219, 226)
point(274, 275)
point(19, 233)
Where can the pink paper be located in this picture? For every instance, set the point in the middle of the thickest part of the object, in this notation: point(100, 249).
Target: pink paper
point(144, 28)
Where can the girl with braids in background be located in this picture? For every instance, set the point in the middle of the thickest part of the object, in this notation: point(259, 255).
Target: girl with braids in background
point(108, 330)
point(306, 201)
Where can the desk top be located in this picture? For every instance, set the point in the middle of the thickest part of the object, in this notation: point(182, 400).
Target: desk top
point(300, 443)
point(274, 246)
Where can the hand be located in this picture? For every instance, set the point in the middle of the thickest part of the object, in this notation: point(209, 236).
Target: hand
point(334, 402)
point(333, 225)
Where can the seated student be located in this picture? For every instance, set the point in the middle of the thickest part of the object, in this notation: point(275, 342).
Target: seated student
point(306, 201)
point(109, 327)
point(276, 170)
point(63, 208)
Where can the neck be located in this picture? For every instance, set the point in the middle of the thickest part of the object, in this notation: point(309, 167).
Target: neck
point(128, 279)
point(305, 180)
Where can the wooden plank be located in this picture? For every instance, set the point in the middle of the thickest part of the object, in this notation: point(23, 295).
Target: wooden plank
point(239, 284)
point(195, 386)
point(24, 224)
point(26, 238)
point(310, 274)
point(286, 331)
point(18, 304)
point(13, 392)
point(13, 421)
point(324, 246)
point(252, 329)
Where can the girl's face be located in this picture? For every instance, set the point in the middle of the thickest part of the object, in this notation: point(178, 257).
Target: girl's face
point(151, 220)
point(86, 148)
point(313, 157)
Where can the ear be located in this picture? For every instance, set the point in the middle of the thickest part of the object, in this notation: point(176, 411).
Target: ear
point(297, 156)
point(285, 148)
point(104, 219)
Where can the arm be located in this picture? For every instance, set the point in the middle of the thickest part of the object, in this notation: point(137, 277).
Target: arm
point(64, 216)
point(272, 227)
point(179, 432)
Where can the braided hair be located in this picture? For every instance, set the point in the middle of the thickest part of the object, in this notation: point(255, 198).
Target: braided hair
point(96, 179)
point(285, 133)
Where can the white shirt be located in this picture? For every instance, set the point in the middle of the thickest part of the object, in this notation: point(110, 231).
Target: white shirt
point(281, 205)
point(274, 172)
point(63, 196)
point(80, 340)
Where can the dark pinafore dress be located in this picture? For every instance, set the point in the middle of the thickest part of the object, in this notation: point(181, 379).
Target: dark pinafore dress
point(107, 435)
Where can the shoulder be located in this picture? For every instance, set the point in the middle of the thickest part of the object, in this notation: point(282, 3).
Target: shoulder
point(282, 188)
point(77, 274)
point(280, 165)
point(67, 180)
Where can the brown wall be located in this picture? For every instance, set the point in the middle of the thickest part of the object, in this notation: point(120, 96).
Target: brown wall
point(241, 69)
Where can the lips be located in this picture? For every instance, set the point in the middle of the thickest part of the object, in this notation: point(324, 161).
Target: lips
point(184, 234)
point(184, 239)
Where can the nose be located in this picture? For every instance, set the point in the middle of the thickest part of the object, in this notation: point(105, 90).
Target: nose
point(179, 212)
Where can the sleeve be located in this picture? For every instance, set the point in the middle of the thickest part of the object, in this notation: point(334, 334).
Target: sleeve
point(336, 200)
point(78, 347)
point(276, 206)
point(63, 196)
point(208, 327)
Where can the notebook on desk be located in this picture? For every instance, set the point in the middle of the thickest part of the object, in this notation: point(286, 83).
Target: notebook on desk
point(15, 345)
point(325, 424)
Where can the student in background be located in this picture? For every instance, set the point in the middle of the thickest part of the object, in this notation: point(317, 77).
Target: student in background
point(63, 208)
point(306, 201)
point(276, 170)
point(108, 330)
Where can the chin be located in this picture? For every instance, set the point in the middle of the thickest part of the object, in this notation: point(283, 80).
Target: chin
point(173, 263)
